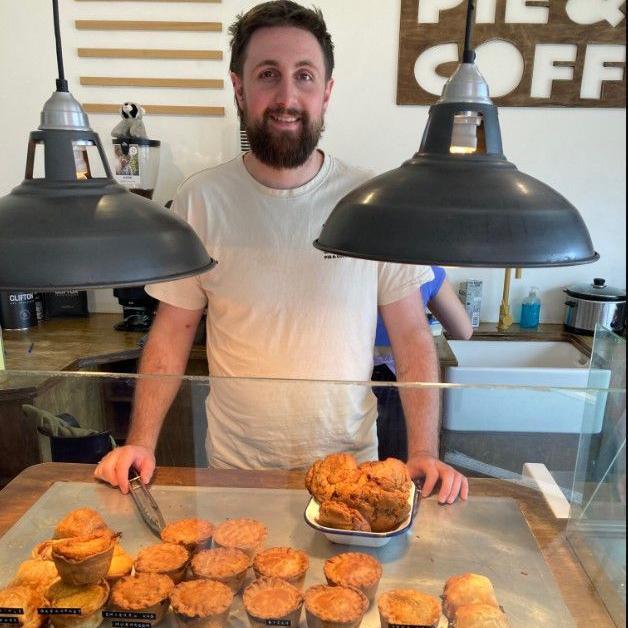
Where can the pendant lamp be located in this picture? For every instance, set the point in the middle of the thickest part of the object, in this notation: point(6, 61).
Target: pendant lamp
point(70, 230)
point(459, 202)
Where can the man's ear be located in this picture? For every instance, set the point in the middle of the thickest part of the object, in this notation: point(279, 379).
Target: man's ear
point(238, 89)
point(327, 95)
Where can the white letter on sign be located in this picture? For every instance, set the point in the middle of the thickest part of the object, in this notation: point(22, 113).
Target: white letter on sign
point(428, 61)
point(595, 72)
point(545, 72)
point(429, 10)
point(519, 12)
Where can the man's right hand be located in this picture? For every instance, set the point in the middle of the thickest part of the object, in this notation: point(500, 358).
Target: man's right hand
point(114, 467)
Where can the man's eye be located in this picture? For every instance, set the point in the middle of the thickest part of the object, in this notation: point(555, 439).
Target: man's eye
point(305, 76)
point(267, 74)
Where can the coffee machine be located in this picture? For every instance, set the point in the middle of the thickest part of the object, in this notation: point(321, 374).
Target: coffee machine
point(138, 309)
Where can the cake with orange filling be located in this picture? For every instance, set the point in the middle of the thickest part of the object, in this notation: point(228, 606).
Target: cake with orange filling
point(164, 558)
point(39, 574)
point(339, 606)
point(247, 535)
point(84, 559)
point(201, 603)
point(269, 600)
point(80, 522)
point(143, 593)
point(480, 616)
point(354, 570)
point(27, 599)
point(468, 588)
point(88, 599)
point(286, 563)
point(193, 534)
point(407, 607)
point(222, 564)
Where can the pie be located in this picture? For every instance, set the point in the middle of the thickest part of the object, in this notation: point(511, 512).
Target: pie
point(43, 550)
point(81, 522)
point(352, 569)
point(269, 600)
point(194, 534)
point(143, 593)
point(409, 607)
point(286, 563)
point(121, 564)
point(90, 599)
point(480, 616)
point(223, 564)
point(84, 559)
point(324, 475)
point(247, 535)
point(26, 598)
point(390, 474)
point(164, 558)
point(341, 606)
point(468, 588)
point(201, 603)
point(38, 574)
point(336, 514)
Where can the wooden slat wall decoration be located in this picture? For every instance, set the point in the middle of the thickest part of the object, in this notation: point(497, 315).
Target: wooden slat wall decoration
point(160, 110)
point(148, 53)
point(140, 25)
point(152, 54)
point(128, 81)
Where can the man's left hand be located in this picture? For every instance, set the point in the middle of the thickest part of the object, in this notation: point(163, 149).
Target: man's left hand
point(431, 469)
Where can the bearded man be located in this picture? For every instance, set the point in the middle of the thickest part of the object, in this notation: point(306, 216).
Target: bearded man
point(280, 312)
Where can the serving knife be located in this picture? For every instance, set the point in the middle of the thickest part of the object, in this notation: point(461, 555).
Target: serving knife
point(145, 503)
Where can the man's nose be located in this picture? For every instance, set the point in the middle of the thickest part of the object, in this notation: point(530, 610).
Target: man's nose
point(286, 95)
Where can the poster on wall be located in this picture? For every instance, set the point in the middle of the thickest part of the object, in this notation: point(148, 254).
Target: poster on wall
point(533, 53)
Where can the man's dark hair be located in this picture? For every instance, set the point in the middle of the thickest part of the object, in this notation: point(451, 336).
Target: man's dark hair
point(279, 13)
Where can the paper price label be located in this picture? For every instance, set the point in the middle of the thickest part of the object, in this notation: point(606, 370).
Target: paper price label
point(131, 624)
point(59, 611)
point(129, 615)
point(11, 611)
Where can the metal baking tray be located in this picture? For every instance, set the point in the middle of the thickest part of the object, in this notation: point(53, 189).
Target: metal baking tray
point(485, 535)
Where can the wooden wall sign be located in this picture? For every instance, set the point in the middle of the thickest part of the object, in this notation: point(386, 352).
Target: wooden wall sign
point(572, 53)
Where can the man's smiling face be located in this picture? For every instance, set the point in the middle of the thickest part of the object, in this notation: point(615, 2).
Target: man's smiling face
point(283, 95)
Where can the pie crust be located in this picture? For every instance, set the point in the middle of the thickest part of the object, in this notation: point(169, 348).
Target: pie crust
point(480, 616)
point(222, 564)
point(43, 550)
point(247, 535)
point(90, 599)
point(272, 599)
point(409, 607)
point(468, 588)
point(168, 559)
point(143, 593)
point(29, 600)
point(194, 534)
point(324, 475)
point(286, 563)
point(84, 559)
point(38, 574)
point(201, 603)
point(338, 516)
point(331, 607)
point(352, 569)
point(80, 522)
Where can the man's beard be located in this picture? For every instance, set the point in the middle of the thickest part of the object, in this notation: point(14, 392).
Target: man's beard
point(283, 150)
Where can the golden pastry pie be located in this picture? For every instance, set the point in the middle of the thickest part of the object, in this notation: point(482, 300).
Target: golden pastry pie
point(121, 564)
point(272, 600)
point(26, 598)
point(480, 616)
point(286, 563)
point(468, 588)
point(324, 475)
point(43, 550)
point(341, 606)
point(222, 564)
point(337, 515)
point(352, 569)
point(194, 534)
point(201, 603)
point(247, 535)
point(409, 608)
point(89, 599)
point(143, 593)
point(81, 522)
point(164, 558)
point(390, 474)
point(84, 559)
point(39, 574)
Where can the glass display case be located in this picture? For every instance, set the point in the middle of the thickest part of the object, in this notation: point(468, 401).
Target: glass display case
point(54, 426)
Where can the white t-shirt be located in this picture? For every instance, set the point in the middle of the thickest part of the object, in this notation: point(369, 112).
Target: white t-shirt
point(277, 308)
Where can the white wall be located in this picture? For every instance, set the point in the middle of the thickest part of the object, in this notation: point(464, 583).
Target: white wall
point(580, 152)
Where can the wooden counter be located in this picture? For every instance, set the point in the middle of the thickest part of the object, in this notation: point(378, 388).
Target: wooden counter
point(578, 593)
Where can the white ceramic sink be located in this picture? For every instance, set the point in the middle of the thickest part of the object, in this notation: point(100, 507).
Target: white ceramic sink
point(558, 366)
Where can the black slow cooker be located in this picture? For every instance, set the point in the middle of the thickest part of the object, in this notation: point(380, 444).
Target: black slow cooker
point(594, 304)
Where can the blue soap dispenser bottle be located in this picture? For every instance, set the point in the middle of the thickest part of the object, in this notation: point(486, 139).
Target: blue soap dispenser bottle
point(531, 310)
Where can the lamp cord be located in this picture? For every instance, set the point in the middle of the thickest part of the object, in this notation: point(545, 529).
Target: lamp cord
point(469, 53)
point(62, 84)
